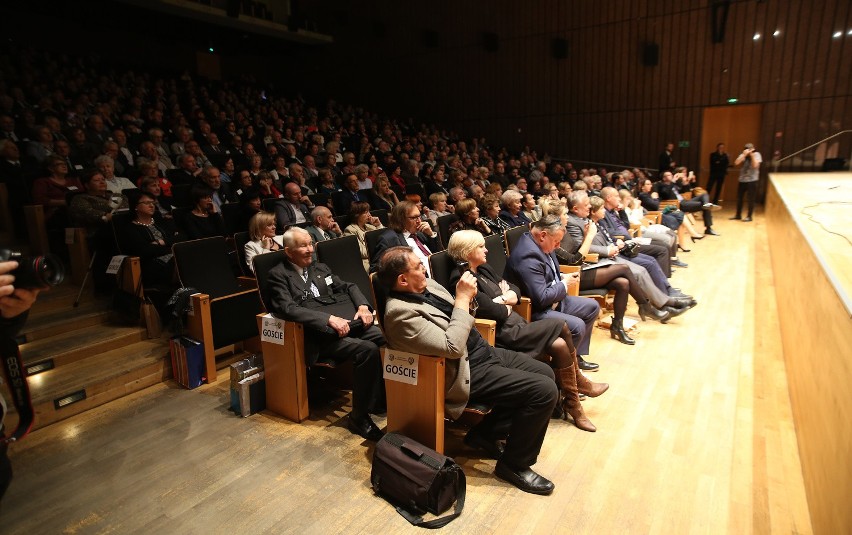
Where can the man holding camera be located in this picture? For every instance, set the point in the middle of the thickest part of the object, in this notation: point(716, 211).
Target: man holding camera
point(14, 304)
point(338, 323)
point(749, 175)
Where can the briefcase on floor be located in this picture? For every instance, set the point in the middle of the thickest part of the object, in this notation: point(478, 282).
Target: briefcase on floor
point(417, 479)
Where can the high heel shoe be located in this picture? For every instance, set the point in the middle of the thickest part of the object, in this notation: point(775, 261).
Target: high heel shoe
point(680, 248)
point(696, 238)
point(647, 309)
point(616, 330)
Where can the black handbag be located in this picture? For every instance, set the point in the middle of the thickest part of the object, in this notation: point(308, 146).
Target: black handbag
point(417, 479)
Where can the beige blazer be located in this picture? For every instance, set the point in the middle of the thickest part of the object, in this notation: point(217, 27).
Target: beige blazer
point(422, 328)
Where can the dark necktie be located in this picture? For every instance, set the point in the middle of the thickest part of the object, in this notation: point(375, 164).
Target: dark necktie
point(419, 243)
point(355, 196)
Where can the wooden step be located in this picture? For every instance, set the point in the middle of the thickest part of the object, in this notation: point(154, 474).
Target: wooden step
point(54, 323)
point(62, 297)
point(101, 378)
point(78, 344)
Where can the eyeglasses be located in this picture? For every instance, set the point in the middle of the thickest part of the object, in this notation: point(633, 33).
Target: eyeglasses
point(147, 202)
point(413, 217)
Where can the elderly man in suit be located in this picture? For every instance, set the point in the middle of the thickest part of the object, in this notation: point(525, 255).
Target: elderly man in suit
point(422, 317)
point(409, 229)
point(338, 324)
point(534, 268)
point(323, 226)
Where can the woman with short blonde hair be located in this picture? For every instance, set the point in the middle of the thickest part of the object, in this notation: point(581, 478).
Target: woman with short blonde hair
point(263, 237)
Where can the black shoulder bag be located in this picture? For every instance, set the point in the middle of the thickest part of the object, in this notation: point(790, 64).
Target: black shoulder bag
point(417, 479)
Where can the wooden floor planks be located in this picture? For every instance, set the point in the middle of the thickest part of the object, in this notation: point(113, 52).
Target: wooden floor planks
point(694, 436)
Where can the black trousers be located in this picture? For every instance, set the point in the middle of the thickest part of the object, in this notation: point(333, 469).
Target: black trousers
point(368, 390)
point(695, 205)
point(750, 189)
point(715, 181)
point(660, 254)
point(523, 392)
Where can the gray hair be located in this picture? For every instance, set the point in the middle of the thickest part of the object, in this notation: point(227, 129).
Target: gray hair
point(510, 196)
point(575, 198)
point(289, 237)
point(319, 211)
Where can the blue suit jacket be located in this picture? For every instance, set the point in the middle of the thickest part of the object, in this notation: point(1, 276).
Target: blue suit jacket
point(528, 268)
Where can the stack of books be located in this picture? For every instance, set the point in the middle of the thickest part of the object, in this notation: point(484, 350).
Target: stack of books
point(187, 361)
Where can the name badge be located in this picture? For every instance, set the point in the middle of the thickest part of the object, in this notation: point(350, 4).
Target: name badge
point(72, 188)
point(328, 281)
point(401, 366)
point(272, 330)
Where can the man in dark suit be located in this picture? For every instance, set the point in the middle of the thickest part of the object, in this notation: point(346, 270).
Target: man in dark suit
point(422, 317)
point(344, 198)
point(291, 210)
point(719, 163)
point(615, 227)
point(534, 268)
point(323, 227)
point(665, 161)
point(407, 228)
point(338, 324)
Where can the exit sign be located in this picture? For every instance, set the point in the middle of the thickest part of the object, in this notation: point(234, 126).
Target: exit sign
point(683, 144)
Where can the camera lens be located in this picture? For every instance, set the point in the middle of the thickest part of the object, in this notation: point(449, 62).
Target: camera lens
point(35, 271)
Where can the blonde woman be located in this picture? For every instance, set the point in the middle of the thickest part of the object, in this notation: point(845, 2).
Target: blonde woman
point(263, 238)
point(362, 223)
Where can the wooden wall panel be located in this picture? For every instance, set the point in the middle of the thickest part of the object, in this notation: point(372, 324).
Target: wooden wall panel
point(601, 103)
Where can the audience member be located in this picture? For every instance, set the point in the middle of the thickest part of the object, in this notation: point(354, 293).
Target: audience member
point(262, 237)
point(362, 222)
point(298, 290)
point(422, 317)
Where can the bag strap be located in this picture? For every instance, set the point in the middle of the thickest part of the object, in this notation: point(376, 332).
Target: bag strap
point(13, 367)
point(461, 483)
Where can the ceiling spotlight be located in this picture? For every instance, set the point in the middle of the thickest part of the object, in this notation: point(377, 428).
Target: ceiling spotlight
point(756, 36)
point(837, 35)
point(849, 32)
point(776, 33)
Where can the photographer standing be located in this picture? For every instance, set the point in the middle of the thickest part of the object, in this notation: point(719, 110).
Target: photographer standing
point(14, 304)
point(749, 174)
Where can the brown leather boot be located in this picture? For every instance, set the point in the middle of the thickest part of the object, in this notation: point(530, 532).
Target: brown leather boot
point(587, 387)
point(571, 402)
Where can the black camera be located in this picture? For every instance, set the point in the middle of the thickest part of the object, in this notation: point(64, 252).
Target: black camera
point(631, 249)
point(35, 271)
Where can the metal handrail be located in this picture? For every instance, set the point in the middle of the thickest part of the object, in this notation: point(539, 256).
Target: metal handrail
point(777, 162)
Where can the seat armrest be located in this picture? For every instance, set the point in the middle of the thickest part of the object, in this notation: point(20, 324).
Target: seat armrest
point(592, 257)
point(488, 330)
point(231, 296)
point(524, 308)
point(247, 283)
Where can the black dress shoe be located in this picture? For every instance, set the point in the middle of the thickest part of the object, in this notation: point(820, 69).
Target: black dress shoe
point(526, 480)
point(735, 217)
point(681, 302)
point(493, 448)
point(747, 220)
point(673, 312)
point(364, 427)
point(711, 232)
point(587, 366)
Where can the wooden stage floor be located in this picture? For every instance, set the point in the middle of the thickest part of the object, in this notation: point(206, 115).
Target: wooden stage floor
point(694, 436)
